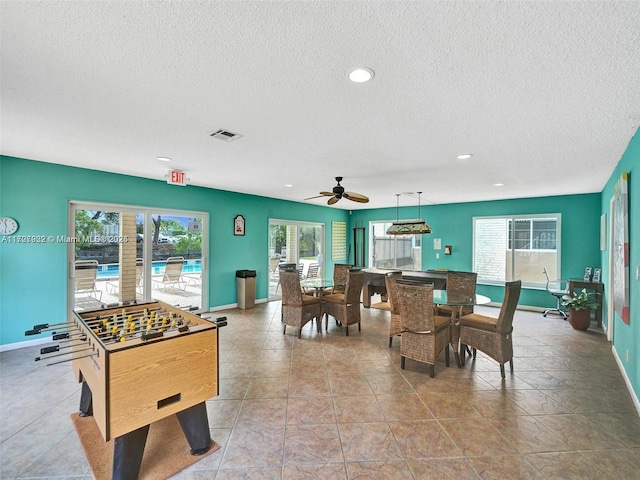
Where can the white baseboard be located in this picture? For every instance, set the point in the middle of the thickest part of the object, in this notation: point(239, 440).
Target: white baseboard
point(234, 305)
point(26, 343)
point(634, 397)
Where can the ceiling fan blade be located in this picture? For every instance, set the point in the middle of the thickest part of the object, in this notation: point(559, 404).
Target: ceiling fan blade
point(333, 200)
point(322, 194)
point(356, 197)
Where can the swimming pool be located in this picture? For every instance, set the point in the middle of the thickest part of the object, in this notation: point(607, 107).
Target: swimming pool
point(109, 270)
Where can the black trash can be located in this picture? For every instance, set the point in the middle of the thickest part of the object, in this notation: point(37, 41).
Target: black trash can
point(246, 285)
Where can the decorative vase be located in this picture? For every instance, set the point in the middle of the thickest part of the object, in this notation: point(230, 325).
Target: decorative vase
point(580, 319)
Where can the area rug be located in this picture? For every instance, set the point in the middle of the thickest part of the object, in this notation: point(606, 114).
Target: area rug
point(166, 451)
point(381, 306)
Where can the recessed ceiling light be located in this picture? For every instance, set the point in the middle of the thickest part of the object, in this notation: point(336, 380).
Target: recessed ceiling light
point(498, 184)
point(361, 75)
point(288, 185)
point(164, 159)
point(464, 156)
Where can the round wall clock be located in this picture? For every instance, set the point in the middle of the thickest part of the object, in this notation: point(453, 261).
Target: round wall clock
point(8, 226)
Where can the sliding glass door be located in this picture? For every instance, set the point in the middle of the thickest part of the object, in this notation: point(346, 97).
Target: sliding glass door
point(121, 254)
point(299, 244)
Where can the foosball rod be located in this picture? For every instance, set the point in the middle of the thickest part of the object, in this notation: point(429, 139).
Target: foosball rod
point(136, 313)
point(37, 359)
point(57, 348)
point(36, 330)
point(148, 334)
point(66, 337)
point(127, 331)
point(125, 321)
point(72, 359)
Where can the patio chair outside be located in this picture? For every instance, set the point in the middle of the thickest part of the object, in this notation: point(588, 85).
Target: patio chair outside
point(173, 274)
point(86, 273)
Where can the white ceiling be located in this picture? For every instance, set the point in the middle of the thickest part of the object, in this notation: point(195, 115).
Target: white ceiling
point(545, 95)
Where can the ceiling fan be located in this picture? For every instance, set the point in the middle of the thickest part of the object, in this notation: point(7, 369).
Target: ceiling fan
point(338, 193)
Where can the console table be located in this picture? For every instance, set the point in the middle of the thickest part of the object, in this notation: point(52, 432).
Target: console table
point(598, 287)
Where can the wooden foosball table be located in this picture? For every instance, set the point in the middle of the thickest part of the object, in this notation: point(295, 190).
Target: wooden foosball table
point(138, 364)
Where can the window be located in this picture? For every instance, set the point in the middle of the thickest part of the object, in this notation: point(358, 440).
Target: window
point(394, 251)
point(516, 247)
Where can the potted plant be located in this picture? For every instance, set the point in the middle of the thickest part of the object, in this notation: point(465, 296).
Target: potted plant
point(580, 305)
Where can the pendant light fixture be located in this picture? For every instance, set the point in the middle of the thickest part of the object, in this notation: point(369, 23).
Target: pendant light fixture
point(408, 227)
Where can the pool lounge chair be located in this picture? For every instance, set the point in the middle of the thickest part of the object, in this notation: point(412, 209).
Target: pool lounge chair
point(173, 274)
point(86, 273)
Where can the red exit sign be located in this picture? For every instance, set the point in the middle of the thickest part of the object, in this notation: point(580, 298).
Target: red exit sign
point(176, 177)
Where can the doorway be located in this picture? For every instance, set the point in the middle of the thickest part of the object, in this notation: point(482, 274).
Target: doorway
point(299, 244)
point(121, 254)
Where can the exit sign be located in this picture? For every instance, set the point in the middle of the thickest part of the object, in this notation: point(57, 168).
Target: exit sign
point(176, 177)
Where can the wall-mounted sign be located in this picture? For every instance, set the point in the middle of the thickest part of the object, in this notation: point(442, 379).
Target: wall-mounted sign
point(177, 177)
point(195, 226)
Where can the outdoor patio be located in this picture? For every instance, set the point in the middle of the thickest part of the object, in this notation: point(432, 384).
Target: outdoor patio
point(175, 294)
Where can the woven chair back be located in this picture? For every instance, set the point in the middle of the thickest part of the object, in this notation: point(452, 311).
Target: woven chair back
point(291, 291)
point(462, 282)
point(340, 273)
point(416, 307)
point(392, 291)
point(509, 304)
point(352, 291)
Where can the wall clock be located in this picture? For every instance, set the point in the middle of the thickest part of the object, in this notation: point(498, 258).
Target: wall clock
point(8, 226)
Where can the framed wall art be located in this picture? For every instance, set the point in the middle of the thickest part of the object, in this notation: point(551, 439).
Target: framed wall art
point(238, 225)
point(620, 245)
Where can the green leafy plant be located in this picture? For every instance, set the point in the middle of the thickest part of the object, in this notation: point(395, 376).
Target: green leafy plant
point(580, 301)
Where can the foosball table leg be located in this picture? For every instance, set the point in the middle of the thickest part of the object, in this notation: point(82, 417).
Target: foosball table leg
point(86, 401)
point(195, 425)
point(127, 454)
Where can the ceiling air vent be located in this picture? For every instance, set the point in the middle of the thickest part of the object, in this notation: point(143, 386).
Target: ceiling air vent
point(226, 135)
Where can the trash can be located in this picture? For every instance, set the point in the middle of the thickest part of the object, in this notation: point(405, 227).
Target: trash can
point(246, 285)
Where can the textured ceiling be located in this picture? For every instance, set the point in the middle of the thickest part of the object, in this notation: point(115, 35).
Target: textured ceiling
point(545, 95)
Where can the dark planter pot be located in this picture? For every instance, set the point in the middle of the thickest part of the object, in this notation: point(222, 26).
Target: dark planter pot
point(580, 319)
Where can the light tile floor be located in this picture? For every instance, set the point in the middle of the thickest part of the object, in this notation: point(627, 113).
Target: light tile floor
point(335, 407)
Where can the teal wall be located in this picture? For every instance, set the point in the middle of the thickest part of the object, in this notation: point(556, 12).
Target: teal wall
point(627, 337)
point(453, 223)
point(33, 277)
point(33, 284)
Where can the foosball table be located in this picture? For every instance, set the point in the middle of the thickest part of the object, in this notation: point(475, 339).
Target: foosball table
point(140, 363)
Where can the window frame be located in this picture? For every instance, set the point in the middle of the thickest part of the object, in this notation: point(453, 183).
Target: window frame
point(510, 240)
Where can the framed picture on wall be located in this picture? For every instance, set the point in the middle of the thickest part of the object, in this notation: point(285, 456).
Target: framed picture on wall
point(238, 225)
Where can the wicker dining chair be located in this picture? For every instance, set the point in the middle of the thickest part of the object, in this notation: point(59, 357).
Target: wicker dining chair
point(297, 308)
point(460, 283)
point(395, 326)
point(345, 307)
point(463, 284)
point(424, 334)
point(492, 336)
point(340, 273)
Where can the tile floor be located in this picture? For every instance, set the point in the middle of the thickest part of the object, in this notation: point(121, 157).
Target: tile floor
point(335, 407)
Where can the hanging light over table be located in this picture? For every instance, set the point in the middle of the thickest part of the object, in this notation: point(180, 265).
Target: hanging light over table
point(408, 227)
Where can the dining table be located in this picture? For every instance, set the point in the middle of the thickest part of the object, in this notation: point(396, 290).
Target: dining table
point(453, 299)
point(319, 284)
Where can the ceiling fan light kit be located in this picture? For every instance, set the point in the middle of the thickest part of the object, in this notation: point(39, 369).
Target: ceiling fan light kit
point(408, 227)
